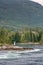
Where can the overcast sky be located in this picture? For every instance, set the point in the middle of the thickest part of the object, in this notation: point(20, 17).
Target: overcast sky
point(38, 1)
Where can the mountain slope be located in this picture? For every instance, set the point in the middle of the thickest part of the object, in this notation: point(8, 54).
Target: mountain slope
point(20, 13)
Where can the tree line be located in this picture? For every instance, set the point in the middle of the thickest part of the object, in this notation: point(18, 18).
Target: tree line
point(8, 37)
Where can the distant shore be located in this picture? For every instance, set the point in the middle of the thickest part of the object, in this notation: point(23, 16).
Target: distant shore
point(31, 43)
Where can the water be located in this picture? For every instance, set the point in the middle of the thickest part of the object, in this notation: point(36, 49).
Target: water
point(33, 57)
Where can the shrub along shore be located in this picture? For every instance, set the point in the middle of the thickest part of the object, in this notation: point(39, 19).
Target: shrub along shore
point(25, 36)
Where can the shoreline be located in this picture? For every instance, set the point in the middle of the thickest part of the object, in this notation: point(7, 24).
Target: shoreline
point(12, 47)
point(31, 43)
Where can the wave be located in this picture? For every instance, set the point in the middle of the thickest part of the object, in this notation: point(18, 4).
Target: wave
point(26, 51)
point(15, 54)
point(9, 56)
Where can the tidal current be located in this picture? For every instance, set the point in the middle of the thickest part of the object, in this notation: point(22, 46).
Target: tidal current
point(28, 57)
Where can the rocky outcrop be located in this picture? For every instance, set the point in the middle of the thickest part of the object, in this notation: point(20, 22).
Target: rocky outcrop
point(12, 47)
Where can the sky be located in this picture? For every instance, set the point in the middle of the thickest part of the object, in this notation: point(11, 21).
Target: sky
point(38, 1)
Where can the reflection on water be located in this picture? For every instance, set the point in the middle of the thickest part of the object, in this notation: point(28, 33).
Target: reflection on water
point(33, 57)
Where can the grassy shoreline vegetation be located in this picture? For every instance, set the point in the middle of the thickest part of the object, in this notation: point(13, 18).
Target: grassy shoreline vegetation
point(24, 36)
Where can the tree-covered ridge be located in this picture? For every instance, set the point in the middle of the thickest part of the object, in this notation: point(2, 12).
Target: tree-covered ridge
point(20, 12)
point(9, 37)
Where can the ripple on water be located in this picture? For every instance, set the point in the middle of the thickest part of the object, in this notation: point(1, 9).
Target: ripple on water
point(22, 58)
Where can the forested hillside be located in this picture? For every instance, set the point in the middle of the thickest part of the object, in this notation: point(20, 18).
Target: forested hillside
point(15, 14)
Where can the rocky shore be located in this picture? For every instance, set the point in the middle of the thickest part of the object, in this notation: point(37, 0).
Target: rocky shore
point(12, 47)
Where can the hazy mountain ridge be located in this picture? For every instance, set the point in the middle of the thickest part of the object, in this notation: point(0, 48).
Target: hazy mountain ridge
point(20, 12)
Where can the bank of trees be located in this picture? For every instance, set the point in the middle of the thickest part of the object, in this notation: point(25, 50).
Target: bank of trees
point(9, 37)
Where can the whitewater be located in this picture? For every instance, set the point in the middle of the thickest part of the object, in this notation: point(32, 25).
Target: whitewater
point(28, 57)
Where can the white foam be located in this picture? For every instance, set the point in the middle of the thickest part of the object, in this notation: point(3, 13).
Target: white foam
point(9, 55)
point(3, 56)
point(26, 51)
point(15, 54)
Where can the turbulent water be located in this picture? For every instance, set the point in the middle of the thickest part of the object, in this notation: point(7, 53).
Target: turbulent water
point(32, 57)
